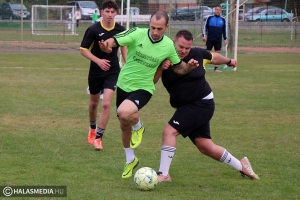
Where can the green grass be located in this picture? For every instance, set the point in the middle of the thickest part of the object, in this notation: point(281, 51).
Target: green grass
point(44, 123)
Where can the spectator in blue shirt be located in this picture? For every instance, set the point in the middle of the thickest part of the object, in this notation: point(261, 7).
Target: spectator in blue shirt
point(213, 29)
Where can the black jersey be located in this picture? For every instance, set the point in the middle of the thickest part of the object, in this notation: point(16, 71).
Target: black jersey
point(92, 36)
point(184, 89)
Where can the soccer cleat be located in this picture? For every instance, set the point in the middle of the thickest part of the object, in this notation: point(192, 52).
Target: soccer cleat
point(98, 144)
point(136, 138)
point(216, 70)
point(128, 168)
point(247, 169)
point(91, 136)
point(162, 178)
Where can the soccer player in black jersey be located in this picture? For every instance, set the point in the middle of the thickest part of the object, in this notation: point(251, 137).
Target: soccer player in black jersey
point(192, 97)
point(104, 69)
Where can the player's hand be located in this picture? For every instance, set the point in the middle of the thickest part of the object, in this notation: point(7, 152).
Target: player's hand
point(225, 42)
point(192, 64)
point(233, 63)
point(104, 46)
point(166, 64)
point(104, 64)
point(204, 38)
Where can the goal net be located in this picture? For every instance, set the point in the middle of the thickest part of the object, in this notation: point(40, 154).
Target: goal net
point(53, 20)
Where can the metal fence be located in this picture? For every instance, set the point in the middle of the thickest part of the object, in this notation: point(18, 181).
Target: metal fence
point(253, 37)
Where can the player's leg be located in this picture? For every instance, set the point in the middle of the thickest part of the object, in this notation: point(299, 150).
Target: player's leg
point(202, 139)
point(128, 105)
point(109, 85)
point(103, 118)
point(217, 47)
point(93, 106)
point(167, 153)
point(139, 98)
point(182, 122)
point(208, 148)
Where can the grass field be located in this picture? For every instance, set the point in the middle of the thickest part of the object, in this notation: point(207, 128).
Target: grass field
point(44, 124)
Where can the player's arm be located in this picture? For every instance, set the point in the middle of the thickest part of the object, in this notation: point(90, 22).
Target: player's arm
point(184, 68)
point(218, 59)
point(124, 53)
point(102, 63)
point(163, 66)
point(107, 45)
point(157, 75)
point(204, 30)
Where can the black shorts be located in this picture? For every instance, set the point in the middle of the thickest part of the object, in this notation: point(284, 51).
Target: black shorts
point(98, 83)
point(216, 44)
point(139, 97)
point(192, 120)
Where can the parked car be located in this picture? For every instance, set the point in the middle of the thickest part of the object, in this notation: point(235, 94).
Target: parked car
point(255, 10)
point(271, 15)
point(190, 13)
point(13, 11)
point(87, 8)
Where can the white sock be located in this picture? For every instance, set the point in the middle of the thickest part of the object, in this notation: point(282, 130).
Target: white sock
point(230, 160)
point(129, 154)
point(137, 126)
point(166, 157)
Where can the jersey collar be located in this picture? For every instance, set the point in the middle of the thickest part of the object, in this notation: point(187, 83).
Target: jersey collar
point(108, 29)
point(154, 41)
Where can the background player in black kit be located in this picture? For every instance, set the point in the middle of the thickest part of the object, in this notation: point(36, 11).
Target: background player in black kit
point(192, 97)
point(104, 69)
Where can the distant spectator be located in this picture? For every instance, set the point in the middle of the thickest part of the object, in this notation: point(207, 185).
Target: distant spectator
point(214, 28)
point(69, 19)
point(94, 17)
point(77, 16)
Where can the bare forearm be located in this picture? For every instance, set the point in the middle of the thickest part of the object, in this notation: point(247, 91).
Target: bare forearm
point(157, 75)
point(124, 53)
point(111, 42)
point(181, 68)
point(86, 53)
point(218, 59)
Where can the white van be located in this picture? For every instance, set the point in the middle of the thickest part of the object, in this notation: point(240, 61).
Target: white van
point(87, 8)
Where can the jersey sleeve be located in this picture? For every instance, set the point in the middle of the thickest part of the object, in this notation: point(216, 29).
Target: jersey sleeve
point(126, 37)
point(88, 40)
point(207, 57)
point(174, 57)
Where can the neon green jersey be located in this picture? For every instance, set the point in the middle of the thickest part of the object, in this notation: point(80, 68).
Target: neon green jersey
point(143, 58)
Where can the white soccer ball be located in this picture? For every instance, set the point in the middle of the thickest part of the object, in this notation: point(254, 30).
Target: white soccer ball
point(145, 178)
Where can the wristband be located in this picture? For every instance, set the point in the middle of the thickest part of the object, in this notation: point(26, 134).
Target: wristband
point(229, 62)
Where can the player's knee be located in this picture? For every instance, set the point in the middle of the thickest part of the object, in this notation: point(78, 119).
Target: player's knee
point(94, 104)
point(105, 105)
point(123, 114)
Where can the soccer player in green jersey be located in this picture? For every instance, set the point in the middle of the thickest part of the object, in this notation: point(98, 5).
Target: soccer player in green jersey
point(147, 49)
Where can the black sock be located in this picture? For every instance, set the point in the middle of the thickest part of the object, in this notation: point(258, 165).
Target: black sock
point(93, 124)
point(216, 68)
point(100, 133)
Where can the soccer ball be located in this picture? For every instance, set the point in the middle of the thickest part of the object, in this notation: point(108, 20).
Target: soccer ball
point(145, 178)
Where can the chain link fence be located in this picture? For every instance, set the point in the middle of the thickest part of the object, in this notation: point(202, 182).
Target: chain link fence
point(253, 37)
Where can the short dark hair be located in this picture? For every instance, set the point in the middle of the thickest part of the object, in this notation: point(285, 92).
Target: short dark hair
point(219, 6)
point(160, 14)
point(109, 4)
point(185, 34)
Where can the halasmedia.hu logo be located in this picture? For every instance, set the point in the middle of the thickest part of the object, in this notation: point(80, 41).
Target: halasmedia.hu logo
point(33, 191)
